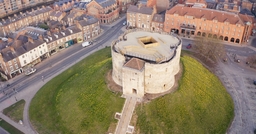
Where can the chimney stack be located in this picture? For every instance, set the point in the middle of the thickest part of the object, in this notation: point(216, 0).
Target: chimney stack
point(49, 33)
point(12, 48)
point(63, 27)
point(139, 5)
point(235, 8)
point(10, 40)
point(30, 40)
point(41, 37)
point(225, 6)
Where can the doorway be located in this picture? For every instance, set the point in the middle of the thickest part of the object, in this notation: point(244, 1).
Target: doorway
point(134, 91)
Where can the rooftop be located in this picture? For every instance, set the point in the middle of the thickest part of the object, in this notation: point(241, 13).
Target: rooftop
point(210, 14)
point(149, 46)
point(142, 9)
point(135, 63)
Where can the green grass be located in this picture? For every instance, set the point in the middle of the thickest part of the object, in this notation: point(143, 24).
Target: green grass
point(201, 105)
point(9, 128)
point(15, 111)
point(78, 100)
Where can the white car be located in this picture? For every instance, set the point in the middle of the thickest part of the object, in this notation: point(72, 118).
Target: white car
point(30, 71)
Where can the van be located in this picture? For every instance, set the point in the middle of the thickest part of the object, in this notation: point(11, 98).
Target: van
point(85, 44)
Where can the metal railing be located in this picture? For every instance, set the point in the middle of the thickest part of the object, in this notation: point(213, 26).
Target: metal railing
point(145, 57)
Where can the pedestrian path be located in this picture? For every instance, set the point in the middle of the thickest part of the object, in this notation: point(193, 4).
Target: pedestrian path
point(22, 128)
point(126, 115)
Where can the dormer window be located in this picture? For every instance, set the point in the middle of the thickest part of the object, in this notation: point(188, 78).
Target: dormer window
point(176, 14)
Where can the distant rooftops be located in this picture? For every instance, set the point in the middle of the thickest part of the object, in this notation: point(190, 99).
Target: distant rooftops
point(210, 14)
point(106, 3)
point(140, 9)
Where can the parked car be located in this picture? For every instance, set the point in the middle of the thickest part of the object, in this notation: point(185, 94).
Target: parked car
point(237, 60)
point(254, 82)
point(30, 71)
point(124, 23)
point(189, 46)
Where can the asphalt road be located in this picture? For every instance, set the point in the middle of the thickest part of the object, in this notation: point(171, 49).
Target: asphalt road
point(56, 62)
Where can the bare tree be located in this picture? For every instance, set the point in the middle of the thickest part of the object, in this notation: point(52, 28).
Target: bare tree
point(210, 48)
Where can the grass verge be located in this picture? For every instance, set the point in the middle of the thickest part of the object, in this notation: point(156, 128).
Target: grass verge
point(200, 105)
point(77, 101)
point(9, 128)
point(15, 111)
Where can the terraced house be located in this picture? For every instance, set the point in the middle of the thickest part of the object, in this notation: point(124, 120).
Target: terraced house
point(140, 16)
point(226, 26)
point(90, 27)
point(24, 19)
point(8, 7)
point(104, 10)
point(57, 41)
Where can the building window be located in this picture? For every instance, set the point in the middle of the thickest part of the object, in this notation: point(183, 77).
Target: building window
point(16, 66)
point(11, 68)
point(9, 62)
point(14, 60)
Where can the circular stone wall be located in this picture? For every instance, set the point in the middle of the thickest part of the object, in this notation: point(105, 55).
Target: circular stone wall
point(157, 77)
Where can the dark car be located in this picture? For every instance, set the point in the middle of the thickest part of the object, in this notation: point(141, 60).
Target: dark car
point(189, 46)
point(254, 82)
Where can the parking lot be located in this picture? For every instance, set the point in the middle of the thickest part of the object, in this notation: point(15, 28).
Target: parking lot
point(239, 84)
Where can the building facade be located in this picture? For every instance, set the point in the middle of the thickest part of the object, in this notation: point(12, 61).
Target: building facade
point(24, 19)
point(90, 27)
point(141, 64)
point(106, 11)
point(8, 7)
point(140, 16)
point(187, 21)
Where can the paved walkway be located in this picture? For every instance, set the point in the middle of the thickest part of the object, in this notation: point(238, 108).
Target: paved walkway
point(2, 131)
point(126, 115)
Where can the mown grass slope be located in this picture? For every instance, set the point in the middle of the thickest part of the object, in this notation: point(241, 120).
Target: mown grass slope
point(200, 105)
point(78, 100)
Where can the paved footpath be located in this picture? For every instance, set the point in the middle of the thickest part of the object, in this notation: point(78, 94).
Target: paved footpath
point(126, 115)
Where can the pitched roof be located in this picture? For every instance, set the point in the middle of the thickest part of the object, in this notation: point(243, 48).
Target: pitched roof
point(135, 63)
point(8, 54)
point(88, 22)
point(158, 18)
point(142, 10)
point(106, 3)
point(209, 14)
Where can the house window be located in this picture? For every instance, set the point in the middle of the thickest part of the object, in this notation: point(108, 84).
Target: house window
point(11, 68)
point(16, 66)
point(14, 60)
point(9, 62)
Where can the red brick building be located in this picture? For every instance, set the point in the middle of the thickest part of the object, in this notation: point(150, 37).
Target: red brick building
point(205, 22)
point(104, 10)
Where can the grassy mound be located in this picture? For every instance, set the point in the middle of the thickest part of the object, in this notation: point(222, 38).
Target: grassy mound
point(200, 105)
point(77, 101)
